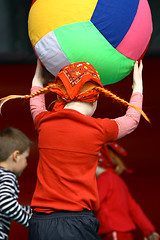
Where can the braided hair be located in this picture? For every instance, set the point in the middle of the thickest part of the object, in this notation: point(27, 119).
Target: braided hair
point(100, 90)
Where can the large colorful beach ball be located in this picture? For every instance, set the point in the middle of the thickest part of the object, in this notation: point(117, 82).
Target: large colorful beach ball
point(109, 34)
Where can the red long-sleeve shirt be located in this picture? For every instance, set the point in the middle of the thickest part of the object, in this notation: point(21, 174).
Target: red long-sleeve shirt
point(118, 210)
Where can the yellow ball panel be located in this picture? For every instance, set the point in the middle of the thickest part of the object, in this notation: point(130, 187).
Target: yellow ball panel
point(47, 15)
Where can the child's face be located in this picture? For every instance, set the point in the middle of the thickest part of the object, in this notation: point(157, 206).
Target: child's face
point(21, 162)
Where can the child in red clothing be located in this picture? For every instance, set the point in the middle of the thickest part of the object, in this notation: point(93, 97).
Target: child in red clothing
point(66, 194)
point(69, 141)
point(118, 213)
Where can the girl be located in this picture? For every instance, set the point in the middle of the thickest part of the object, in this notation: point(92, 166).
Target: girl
point(70, 139)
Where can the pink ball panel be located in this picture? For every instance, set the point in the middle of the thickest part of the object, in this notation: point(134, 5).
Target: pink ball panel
point(136, 40)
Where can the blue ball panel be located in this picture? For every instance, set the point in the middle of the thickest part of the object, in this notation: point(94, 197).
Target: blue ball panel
point(113, 18)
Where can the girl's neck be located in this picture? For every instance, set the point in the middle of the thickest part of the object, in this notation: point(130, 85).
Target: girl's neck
point(82, 107)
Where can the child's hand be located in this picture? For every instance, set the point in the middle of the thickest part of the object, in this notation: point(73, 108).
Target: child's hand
point(38, 79)
point(153, 236)
point(119, 169)
point(137, 77)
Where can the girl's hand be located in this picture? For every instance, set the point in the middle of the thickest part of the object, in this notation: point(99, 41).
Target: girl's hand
point(137, 77)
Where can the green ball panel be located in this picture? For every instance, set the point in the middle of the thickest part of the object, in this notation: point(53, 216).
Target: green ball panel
point(83, 42)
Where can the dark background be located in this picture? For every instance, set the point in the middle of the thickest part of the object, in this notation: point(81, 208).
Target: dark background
point(17, 66)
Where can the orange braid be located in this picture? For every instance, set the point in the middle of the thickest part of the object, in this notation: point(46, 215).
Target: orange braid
point(118, 99)
point(51, 85)
point(40, 91)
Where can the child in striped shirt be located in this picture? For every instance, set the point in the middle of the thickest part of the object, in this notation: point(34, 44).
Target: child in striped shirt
point(14, 151)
